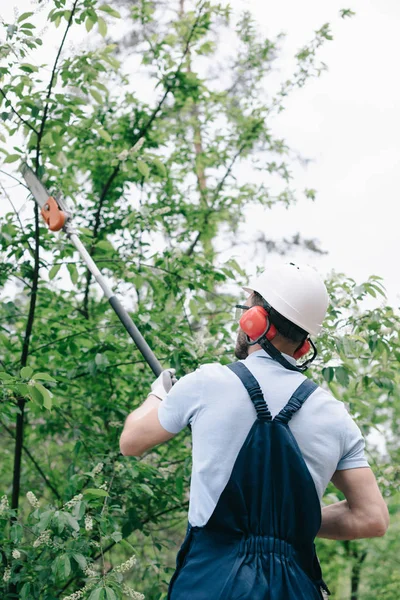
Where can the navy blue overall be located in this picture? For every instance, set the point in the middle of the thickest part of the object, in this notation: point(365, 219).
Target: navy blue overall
point(259, 542)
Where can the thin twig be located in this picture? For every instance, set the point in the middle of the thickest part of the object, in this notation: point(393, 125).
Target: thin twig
point(217, 191)
point(31, 127)
point(51, 83)
point(15, 179)
point(15, 210)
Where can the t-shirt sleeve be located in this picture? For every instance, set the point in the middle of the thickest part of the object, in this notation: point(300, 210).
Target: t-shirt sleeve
point(353, 449)
point(181, 404)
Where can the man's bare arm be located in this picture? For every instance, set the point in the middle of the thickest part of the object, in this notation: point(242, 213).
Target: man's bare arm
point(363, 514)
point(142, 429)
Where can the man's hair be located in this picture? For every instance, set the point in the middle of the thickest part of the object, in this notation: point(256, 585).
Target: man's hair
point(286, 328)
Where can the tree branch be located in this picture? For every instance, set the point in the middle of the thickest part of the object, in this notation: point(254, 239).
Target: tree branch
point(50, 86)
point(142, 132)
point(24, 121)
point(19, 434)
point(36, 465)
point(15, 210)
point(217, 191)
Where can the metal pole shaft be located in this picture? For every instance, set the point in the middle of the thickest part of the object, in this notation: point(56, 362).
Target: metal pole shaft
point(122, 314)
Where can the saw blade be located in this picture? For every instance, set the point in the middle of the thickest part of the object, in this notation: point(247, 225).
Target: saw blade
point(35, 186)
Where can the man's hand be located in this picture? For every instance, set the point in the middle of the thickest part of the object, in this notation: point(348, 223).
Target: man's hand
point(163, 384)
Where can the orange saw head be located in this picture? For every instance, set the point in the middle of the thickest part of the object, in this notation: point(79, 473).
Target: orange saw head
point(54, 211)
point(55, 217)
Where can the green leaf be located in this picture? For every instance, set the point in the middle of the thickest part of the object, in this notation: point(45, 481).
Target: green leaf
point(80, 559)
point(26, 372)
point(89, 24)
point(36, 396)
point(73, 272)
point(328, 373)
point(47, 396)
point(53, 271)
point(146, 489)
point(105, 245)
point(16, 533)
point(96, 95)
point(106, 136)
point(116, 536)
point(143, 168)
point(96, 492)
point(96, 594)
point(45, 519)
point(44, 377)
point(102, 25)
point(25, 593)
point(72, 522)
point(24, 16)
point(160, 168)
point(110, 594)
point(23, 389)
point(342, 376)
point(28, 68)
point(5, 376)
point(12, 158)
point(110, 11)
point(67, 565)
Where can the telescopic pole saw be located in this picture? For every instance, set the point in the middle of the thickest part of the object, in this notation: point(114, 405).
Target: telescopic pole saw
point(57, 216)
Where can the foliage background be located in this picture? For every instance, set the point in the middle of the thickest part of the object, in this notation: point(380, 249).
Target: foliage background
point(156, 221)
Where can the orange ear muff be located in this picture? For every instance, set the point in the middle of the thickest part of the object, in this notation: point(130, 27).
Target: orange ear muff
point(254, 322)
point(304, 349)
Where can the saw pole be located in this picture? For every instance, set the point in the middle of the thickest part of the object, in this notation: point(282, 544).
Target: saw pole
point(120, 311)
point(58, 217)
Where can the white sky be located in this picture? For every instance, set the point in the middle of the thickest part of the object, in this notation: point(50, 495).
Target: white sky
point(348, 123)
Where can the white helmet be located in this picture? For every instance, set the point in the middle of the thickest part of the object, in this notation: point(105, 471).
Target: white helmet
point(296, 292)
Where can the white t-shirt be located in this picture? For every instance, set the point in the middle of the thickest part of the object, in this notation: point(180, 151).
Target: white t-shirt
point(216, 404)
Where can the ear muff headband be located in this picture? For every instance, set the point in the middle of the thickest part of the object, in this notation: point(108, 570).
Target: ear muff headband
point(256, 325)
point(302, 350)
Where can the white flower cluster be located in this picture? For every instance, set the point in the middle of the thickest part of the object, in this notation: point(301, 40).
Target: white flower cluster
point(4, 504)
point(123, 155)
point(90, 572)
point(119, 467)
point(79, 593)
point(16, 554)
point(131, 593)
point(161, 211)
point(43, 539)
point(7, 574)
point(103, 486)
point(74, 501)
point(88, 523)
point(33, 501)
point(126, 565)
point(98, 468)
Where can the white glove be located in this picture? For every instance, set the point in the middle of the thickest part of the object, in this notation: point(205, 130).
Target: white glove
point(163, 384)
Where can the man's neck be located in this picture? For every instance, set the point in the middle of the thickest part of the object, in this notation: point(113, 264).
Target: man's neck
point(278, 344)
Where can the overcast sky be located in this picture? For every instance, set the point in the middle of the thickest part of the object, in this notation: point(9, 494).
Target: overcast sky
point(347, 122)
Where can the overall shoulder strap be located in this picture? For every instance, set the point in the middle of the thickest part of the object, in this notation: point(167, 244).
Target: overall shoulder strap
point(253, 389)
point(296, 401)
